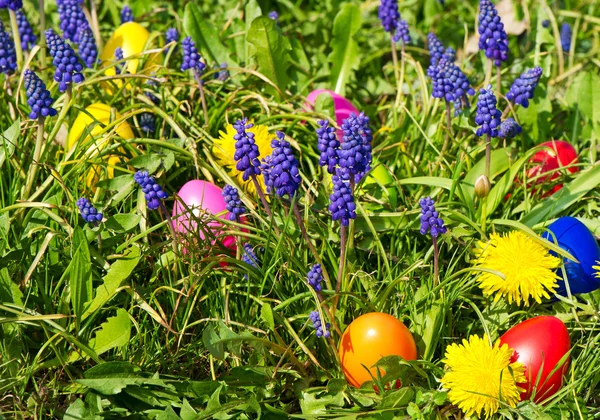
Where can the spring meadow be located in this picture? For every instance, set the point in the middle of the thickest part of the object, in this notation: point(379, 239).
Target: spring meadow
point(259, 209)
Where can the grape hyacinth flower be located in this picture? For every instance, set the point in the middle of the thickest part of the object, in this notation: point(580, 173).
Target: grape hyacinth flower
point(431, 222)
point(449, 55)
point(316, 322)
point(246, 151)
point(523, 87)
point(509, 129)
point(451, 84)
point(172, 35)
point(315, 277)
point(342, 206)
point(153, 192)
point(273, 15)
point(72, 19)
point(389, 15)
point(436, 49)
point(147, 123)
point(88, 51)
point(249, 256)
point(284, 177)
point(68, 69)
point(328, 144)
point(492, 36)
point(191, 57)
point(402, 32)
point(488, 116)
point(234, 204)
point(126, 15)
point(28, 38)
point(355, 151)
point(88, 212)
point(8, 56)
point(119, 57)
point(13, 5)
point(565, 37)
point(38, 97)
point(221, 72)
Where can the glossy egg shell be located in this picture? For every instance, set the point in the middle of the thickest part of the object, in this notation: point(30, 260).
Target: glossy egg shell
point(369, 338)
point(539, 344)
point(132, 38)
point(198, 195)
point(575, 238)
point(343, 107)
point(96, 116)
point(555, 154)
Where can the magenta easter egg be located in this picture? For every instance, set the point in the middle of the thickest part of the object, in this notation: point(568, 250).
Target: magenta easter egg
point(200, 197)
point(343, 107)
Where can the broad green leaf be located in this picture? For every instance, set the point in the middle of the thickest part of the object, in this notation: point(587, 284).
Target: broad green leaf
point(584, 93)
point(122, 222)
point(80, 274)
point(345, 55)
point(109, 369)
point(119, 271)
point(324, 105)
point(301, 71)
point(111, 385)
point(563, 199)
point(211, 340)
point(205, 35)
point(187, 411)
point(8, 141)
point(313, 402)
point(78, 411)
point(266, 314)
point(168, 414)
point(431, 181)
point(499, 163)
point(115, 332)
point(536, 118)
point(398, 398)
point(270, 51)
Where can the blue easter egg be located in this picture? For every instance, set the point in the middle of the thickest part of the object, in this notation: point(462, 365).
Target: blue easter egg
point(575, 238)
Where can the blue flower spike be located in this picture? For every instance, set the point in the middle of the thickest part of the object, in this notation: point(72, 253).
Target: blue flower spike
point(153, 192)
point(234, 204)
point(38, 97)
point(88, 212)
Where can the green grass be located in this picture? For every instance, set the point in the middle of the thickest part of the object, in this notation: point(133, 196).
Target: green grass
point(115, 320)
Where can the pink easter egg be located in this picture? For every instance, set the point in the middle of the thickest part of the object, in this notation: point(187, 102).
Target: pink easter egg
point(200, 196)
point(343, 107)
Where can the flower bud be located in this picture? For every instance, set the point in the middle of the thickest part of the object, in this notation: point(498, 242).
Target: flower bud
point(482, 186)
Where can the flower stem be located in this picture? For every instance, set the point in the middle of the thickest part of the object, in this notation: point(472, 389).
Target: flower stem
point(37, 152)
point(498, 79)
point(16, 38)
point(202, 97)
point(312, 248)
point(436, 263)
point(399, 79)
point(488, 155)
point(42, 34)
point(95, 24)
point(340, 276)
point(488, 73)
point(265, 204)
point(397, 76)
point(448, 129)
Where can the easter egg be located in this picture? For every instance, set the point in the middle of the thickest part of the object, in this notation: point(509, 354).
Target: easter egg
point(200, 196)
point(369, 338)
point(96, 116)
point(343, 107)
point(539, 344)
point(575, 238)
point(380, 176)
point(554, 155)
point(132, 38)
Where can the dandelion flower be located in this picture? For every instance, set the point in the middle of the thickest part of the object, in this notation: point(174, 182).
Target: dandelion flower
point(480, 376)
point(527, 266)
point(597, 268)
point(224, 150)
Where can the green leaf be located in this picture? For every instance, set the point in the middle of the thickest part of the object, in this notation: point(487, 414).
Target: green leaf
point(168, 414)
point(584, 93)
point(9, 140)
point(109, 369)
point(399, 398)
point(536, 117)
point(80, 274)
point(115, 332)
point(118, 272)
point(211, 342)
point(205, 35)
point(301, 69)
point(345, 53)
point(270, 51)
point(571, 193)
point(324, 104)
point(122, 222)
point(187, 411)
point(266, 314)
point(149, 161)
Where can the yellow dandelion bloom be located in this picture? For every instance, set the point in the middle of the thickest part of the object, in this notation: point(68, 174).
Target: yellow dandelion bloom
point(479, 376)
point(224, 150)
point(597, 268)
point(527, 266)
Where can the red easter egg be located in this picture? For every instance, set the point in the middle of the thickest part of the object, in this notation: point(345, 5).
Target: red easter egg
point(554, 155)
point(200, 197)
point(539, 344)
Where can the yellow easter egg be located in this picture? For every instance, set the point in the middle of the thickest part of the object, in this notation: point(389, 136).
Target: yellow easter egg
point(97, 116)
point(96, 171)
point(132, 38)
